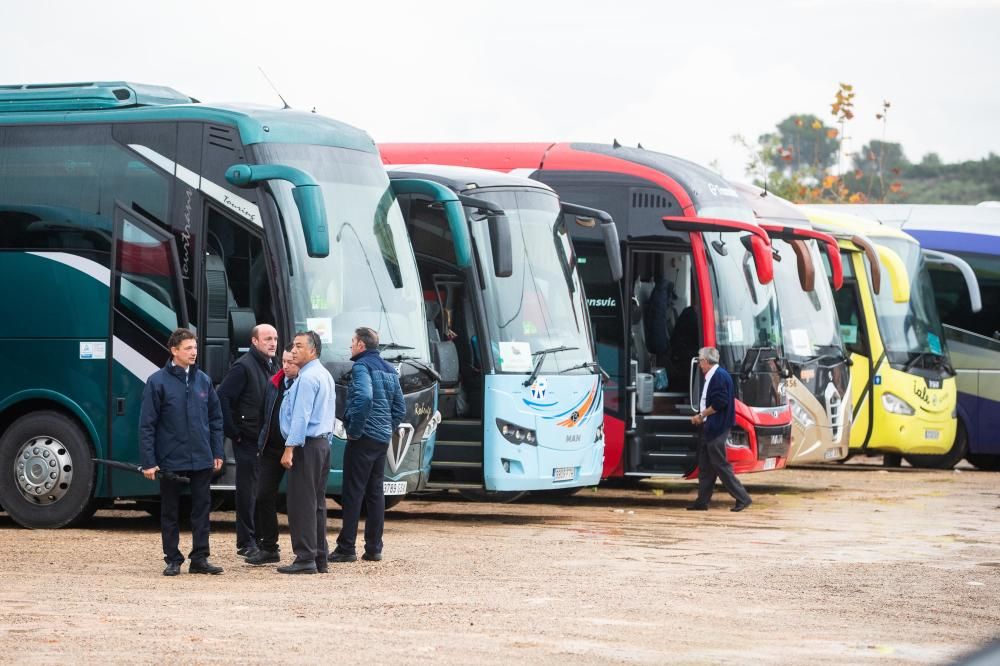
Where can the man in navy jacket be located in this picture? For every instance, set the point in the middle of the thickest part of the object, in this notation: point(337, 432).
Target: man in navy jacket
point(716, 418)
point(375, 408)
point(180, 431)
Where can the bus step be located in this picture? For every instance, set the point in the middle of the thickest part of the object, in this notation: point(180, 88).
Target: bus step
point(455, 465)
point(445, 486)
point(466, 452)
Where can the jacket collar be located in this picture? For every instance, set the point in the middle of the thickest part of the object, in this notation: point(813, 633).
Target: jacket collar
point(372, 359)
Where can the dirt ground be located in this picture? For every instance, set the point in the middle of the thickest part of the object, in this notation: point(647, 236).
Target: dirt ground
point(846, 564)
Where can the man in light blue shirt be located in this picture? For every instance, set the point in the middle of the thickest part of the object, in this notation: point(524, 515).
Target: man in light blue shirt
point(306, 420)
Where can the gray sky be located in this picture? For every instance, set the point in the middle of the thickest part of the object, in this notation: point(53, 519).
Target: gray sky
point(679, 78)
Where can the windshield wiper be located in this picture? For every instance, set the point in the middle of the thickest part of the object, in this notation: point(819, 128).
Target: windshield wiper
point(392, 345)
point(588, 364)
point(415, 362)
point(541, 359)
point(939, 360)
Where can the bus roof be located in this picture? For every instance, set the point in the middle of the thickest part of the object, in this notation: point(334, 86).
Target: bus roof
point(464, 180)
point(842, 224)
point(770, 207)
point(123, 102)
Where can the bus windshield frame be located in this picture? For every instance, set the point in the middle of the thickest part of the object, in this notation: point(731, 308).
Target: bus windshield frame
point(370, 276)
point(543, 258)
point(922, 333)
point(809, 327)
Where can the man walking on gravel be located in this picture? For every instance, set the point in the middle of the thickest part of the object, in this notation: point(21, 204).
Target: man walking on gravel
point(716, 418)
point(375, 408)
point(180, 431)
point(306, 419)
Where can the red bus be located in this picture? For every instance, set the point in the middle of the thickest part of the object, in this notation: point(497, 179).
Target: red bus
point(697, 272)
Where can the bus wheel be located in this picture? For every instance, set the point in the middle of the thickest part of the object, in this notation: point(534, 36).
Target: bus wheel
point(985, 461)
point(500, 497)
point(46, 472)
point(946, 460)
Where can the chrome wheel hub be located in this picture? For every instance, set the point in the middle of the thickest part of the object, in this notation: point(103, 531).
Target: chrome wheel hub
point(43, 469)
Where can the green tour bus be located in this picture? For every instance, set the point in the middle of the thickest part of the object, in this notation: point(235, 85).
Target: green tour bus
point(129, 210)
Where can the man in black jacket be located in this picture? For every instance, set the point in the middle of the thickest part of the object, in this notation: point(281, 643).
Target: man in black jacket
point(242, 395)
point(271, 446)
point(180, 431)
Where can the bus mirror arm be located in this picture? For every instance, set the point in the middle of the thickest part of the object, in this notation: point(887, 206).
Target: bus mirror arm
point(963, 267)
point(306, 192)
point(585, 217)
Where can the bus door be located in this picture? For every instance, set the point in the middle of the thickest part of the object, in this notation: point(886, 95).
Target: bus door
point(664, 334)
point(854, 331)
point(148, 306)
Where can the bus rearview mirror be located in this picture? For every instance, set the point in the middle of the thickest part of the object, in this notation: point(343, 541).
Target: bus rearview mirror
point(306, 192)
point(763, 259)
point(610, 233)
point(500, 243)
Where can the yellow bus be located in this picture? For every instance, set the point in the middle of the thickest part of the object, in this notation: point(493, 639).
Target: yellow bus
point(904, 392)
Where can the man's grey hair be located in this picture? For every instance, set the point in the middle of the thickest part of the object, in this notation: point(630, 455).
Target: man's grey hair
point(710, 354)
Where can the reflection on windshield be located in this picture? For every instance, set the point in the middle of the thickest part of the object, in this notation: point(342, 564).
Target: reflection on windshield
point(746, 312)
point(809, 326)
point(540, 306)
point(370, 277)
point(914, 327)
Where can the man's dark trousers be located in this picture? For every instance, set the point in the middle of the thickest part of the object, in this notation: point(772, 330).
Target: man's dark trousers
point(712, 464)
point(364, 471)
point(266, 508)
point(201, 505)
point(247, 473)
point(307, 500)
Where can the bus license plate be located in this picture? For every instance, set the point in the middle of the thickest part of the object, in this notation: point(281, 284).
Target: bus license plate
point(770, 463)
point(563, 473)
point(394, 487)
point(932, 434)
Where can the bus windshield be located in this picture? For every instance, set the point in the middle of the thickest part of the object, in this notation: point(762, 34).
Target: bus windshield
point(541, 305)
point(910, 330)
point(746, 311)
point(370, 276)
point(809, 327)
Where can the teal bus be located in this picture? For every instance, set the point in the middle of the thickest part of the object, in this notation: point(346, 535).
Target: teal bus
point(128, 210)
point(521, 397)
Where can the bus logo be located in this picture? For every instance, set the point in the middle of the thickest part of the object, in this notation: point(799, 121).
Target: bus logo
point(399, 445)
point(539, 388)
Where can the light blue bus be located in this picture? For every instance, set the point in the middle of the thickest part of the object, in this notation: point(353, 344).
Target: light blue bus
point(128, 210)
point(961, 247)
point(521, 397)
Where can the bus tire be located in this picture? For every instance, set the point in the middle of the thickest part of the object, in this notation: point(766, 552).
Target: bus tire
point(985, 461)
point(946, 460)
point(46, 472)
point(499, 497)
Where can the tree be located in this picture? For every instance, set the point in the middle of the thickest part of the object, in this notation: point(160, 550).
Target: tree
point(802, 141)
point(878, 167)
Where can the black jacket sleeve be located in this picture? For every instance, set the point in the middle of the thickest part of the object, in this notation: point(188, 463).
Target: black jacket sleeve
point(229, 392)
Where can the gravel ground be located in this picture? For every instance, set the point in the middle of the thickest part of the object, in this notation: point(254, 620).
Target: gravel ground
point(845, 564)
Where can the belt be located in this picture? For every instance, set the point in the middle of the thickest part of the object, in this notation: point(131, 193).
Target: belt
point(325, 435)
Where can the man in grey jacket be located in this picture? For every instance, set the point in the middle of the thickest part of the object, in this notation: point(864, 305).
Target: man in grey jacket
point(375, 408)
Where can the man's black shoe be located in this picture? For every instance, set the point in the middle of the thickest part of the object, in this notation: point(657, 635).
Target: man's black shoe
point(298, 568)
point(741, 505)
point(251, 551)
point(204, 567)
point(342, 557)
point(372, 557)
point(322, 567)
point(698, 507)
point(246, 550)
point(262, 557)
point(173, 569)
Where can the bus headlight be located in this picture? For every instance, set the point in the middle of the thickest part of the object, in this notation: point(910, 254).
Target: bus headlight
point(896, 405)
point(516, 434)
point(338, 430)
point(801, 414)
point(432, 425)
point(738, 439)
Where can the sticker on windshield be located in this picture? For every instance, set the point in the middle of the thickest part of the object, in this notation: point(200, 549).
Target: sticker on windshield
point(934, 342)
point(800, 342)
point(849, 334)
point(515, 357)
point(323, 326)
point(732, 331)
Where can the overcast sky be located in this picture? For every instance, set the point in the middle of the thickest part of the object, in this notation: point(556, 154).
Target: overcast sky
point(680, 78)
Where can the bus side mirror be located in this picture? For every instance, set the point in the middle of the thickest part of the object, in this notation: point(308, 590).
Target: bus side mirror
point(804, 264)
point(587, 217)
point(763, 259)
point(306, 193)
point(899, 277)
point(610, 233)
point(500, 243)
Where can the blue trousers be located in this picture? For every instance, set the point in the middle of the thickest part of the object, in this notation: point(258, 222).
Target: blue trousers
point(364, 471)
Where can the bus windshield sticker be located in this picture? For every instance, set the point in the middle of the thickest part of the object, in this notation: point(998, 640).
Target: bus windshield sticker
point(94, 350)
point(323, 327)
point(515, 356)
point(934, 342)
point(800, 342)
point(849, 334)
point(733, 331)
